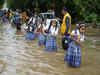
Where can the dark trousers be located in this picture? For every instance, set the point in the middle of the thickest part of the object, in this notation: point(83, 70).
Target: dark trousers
point(18, 26)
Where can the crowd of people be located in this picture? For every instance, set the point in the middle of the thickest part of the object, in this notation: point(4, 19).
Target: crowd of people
point(47, 33)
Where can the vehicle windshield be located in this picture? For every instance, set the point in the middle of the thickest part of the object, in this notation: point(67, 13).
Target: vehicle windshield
point(48, 16)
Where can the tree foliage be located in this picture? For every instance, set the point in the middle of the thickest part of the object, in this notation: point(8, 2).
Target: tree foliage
point(1, 3)
point(84, 10)
point(87, 10)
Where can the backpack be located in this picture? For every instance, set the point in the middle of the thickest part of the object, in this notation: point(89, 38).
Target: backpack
point(66, 40)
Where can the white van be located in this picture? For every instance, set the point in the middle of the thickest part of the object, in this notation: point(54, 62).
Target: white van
point(48, 16)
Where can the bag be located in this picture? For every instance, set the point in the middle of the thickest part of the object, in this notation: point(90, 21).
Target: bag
point(29, 22)
point(65, 42)
point(38, 30)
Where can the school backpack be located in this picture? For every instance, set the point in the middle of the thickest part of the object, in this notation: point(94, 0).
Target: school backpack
point(66, 40)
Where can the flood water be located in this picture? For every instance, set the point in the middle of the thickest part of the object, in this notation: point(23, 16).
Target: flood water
point(21, 57)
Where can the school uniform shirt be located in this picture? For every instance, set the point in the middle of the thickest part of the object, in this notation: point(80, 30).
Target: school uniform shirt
point(45, 27)
point(54, 30)
point(34, 21)
point(82, 37)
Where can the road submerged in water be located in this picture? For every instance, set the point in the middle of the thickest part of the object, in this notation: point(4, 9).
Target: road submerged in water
point(21, 57)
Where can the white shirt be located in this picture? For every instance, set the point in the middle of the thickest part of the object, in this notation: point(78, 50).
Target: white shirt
point(76, 32)
point(82, 37)
point(45, 27)
point(54, 31)
point(33, 21)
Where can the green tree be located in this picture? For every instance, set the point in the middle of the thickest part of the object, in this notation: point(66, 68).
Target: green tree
point(84, 10)
point(1, 3)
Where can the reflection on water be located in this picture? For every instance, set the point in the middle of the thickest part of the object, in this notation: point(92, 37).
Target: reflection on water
point(21, 57)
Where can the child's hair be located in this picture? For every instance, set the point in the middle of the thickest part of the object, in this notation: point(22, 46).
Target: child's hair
point(43, 20)
point(51, 25)
point(80, 26)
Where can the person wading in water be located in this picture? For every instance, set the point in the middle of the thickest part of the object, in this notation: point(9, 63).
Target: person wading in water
point(65, 28)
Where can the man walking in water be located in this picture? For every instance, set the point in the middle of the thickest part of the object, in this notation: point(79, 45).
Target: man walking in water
point(65, 28)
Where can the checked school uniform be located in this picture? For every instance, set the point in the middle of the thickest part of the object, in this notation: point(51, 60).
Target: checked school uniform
point(42, 38)
point(73, 54)
point(31, 34)
point(51, 44)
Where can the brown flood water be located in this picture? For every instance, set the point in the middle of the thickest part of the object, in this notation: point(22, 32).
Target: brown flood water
point(21, 57)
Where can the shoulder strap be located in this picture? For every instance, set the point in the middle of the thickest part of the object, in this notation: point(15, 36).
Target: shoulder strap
point(30, 21)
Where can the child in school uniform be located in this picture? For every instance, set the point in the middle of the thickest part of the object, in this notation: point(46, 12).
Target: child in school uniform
point(73, 54)
point(42, 37)
point(31, 30)
point(51, 44)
